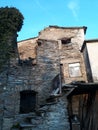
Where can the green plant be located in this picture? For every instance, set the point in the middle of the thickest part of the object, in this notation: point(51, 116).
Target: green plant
point(11, 21)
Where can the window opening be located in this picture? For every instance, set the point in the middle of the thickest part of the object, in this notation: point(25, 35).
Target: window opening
point(66, 41)
point(74, 70)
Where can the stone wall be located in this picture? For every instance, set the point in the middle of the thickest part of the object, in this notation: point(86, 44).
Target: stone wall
point(56, 33)
point(48, 65)
point(48, 52)
point(38, 78)
point(56, 117)
point(68, 53)
point(27, 48)
point(53, 116)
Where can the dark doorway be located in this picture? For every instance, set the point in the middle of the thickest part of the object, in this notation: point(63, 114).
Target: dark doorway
point(27, 101)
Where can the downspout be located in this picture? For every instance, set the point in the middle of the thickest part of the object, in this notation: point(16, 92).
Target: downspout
point(60, 72)
point(60, 80)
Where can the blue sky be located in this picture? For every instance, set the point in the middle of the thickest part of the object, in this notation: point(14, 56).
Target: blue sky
point(39, 14)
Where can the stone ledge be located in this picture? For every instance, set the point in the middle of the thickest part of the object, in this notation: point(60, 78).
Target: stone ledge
point(25, 125)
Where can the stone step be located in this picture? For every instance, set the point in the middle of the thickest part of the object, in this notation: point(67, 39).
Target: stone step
point(33, 114)
point(26, 125)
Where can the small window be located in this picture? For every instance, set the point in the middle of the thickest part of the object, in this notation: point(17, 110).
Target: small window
point(74, 70)
point(39, 43)
point(66, 40)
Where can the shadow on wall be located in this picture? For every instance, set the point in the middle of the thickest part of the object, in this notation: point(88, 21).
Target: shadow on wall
point(30, 61)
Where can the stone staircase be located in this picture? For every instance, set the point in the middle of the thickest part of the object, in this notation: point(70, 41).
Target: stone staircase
point(30, 120)
point(52, 116)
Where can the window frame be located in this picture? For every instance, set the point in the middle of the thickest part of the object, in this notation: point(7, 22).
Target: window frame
point(76, 66)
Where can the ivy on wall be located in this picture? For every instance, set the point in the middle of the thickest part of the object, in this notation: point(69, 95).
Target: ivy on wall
point(11, 21)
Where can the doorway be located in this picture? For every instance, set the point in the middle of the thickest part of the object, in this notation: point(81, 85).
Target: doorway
point(27, 101)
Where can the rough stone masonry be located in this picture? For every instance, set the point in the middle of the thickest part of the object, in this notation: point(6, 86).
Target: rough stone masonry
point(31, 75)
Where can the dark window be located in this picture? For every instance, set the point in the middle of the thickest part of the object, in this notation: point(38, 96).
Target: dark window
point(39, 43)
point(27, 101)
point(66, 40)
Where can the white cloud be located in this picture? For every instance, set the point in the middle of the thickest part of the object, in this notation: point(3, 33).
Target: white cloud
point(39, 5)
point(44, 9)
point(73, 5)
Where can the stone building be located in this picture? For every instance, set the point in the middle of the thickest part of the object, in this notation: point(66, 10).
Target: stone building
point(34, 80)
